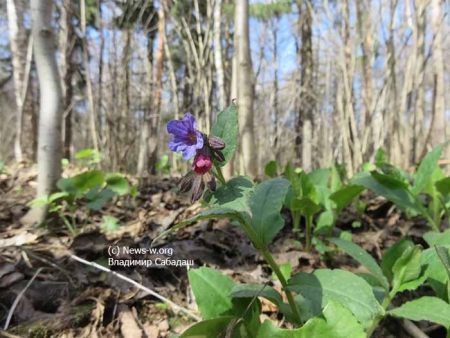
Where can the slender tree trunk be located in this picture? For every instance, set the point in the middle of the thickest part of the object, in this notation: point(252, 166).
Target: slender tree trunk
point(364, 27)
point(49, 152)
point(419, 78)
point(90, 95)
point(218, 54)
point(145, 132)
point(159, 64)
point(18, 42)
point(245, 95)
point(124, 125)
point(66, 45)
point(307, 103)
point(438, 126)
point(275, 88)
point(99, 110)
point(228, 170)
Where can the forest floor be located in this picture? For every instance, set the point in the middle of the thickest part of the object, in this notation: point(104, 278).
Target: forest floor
point(69, 299)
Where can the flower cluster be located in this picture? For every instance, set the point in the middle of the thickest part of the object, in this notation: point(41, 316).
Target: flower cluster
point(205, 149)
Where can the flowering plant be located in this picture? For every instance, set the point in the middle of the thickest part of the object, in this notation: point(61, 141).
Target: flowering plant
point(205, 150)
point(328, 303)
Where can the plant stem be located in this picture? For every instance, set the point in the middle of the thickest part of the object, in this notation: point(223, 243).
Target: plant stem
point(424, 212)
point(308, 233)
point(72, 230)
point(274, 266)
point(296, 223)
point(377, 320)
point(219, 176)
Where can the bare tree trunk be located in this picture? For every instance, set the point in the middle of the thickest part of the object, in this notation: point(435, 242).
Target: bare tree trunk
point(364, 26)
point(124, 126)
point(18, 42)
point(66, 46)
point(228, 170)
point(145, 131)
point(438, 126)
point(92, 124)
point(49, 152)
point(419, 78)
point(245, 95)
point(159, 64)
point(99, 110)
point(275, 87)
point(307, 103)
point(218, 54)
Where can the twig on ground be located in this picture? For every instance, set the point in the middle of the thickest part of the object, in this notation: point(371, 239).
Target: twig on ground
point(139, 286)
point(412, 329)
point(19, 296)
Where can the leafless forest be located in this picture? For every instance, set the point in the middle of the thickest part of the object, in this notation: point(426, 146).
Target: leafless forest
point(316, 82)
point(316, 202)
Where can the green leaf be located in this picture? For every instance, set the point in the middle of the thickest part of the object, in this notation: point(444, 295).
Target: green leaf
point(308, 188)
point(320, 177)
point(325, 222)
point(444, 256)
point(443, 186)
point(437, 238)
point(392, 255)
point(133, 191)
point(426, 168)
point(335, 182)
point(39, 201)
point(362, 257)
point(82, 182)
point(211, 290)
point(398, 195)
point(99, 200)
point(206, 214)
point(110, 223)
point(345, 196)
point(270, 170)
point(294, 178)
point(234, 195)
point(57, 195)
point(407, 268)
point(381, 158)
point(211, 328)
point(336, 322)
point(389, 181)
point(256, 290)
point(286, 270)
point(84, 153)
point(265, 205)
point(117, 183)
point(306, 206)
point(437, 274)
point(324, 285)
point(432, 309)
point(227, 129)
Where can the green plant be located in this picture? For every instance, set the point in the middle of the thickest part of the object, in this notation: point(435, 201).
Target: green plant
point(94, 187)
point(411, 194)
point(88, 157)
point(324, 303)
point(162, 165)
point(320, 192)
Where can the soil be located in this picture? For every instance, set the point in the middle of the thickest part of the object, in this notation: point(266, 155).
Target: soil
point(62, 297)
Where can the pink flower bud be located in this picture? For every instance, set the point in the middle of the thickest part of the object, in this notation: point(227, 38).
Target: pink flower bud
point(202, 164)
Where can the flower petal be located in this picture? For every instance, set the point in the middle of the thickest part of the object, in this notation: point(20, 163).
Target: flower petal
point(176, 144)
point(200, 142)
point(190, 119)
point(189, 152)
point(178, 128)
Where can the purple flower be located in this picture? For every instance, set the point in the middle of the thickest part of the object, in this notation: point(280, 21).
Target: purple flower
point(186, 137)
